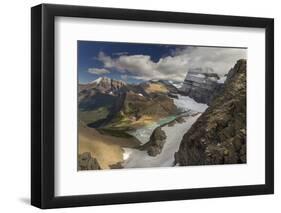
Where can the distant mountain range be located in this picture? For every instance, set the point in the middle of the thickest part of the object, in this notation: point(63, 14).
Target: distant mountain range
point(114, 104)
point(106, 102)
point(113, 115)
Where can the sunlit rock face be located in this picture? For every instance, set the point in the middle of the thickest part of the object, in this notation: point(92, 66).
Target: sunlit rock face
point(201, 84)
point(219, 134)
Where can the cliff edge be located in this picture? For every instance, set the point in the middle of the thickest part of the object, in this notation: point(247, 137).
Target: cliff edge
point(219, 134)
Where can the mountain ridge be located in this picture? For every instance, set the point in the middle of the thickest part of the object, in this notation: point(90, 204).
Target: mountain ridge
point(219, 134)
point(126, 104)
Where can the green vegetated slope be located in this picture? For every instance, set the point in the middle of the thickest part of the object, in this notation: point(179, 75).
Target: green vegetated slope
point(108, 109)
point(93, 115)
point(112, 104)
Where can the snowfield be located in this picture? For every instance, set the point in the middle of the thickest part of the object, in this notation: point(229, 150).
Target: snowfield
point(222, 80)
point(134, 158)
point(178, 86)
point(97, 81)
point(186, 103)
point(198, 75)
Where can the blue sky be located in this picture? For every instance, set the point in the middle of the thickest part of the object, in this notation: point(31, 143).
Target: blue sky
point(134, 63)
point(88, 52)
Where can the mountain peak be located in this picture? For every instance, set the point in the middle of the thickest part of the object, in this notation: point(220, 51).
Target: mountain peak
point(101, 79)
point(222, 139)
point(106, 85)
point(106, 80)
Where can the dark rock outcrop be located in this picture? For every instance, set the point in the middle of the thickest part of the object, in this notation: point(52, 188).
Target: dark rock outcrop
point(156, 142)
point(87, 162)
point(200, 86)
point(219, 135)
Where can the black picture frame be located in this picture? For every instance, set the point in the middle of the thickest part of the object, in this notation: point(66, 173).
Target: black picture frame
point(43, 114)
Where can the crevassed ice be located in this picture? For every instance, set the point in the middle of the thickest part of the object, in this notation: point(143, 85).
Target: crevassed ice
point(187, 103)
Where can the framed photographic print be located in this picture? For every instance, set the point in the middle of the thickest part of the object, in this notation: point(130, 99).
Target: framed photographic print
point(140, 106)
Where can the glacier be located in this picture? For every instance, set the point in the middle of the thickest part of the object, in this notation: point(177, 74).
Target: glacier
point(135, 158)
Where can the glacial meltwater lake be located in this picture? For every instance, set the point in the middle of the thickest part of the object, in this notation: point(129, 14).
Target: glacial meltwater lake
point(134, 158)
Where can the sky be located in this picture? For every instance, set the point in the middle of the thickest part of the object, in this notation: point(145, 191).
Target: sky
point(136, 62)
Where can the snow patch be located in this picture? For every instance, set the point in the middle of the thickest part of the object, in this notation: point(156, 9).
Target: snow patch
point(177, 85)
point(98, 80)
point(198, 75)
point(213, 79)
point(127, 154)
point(134, 158)
point(186, 103)
point(154, 80)
point(221, 80)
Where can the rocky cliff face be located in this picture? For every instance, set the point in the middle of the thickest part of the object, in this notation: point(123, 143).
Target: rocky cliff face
point(156, 142)
point(103, 84)
point(201, 86)
point(87, 162)
point(219, 135)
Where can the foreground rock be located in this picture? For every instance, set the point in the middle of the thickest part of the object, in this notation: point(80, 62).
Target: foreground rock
point(219, 135)
point(156, 143)
point(87, 162)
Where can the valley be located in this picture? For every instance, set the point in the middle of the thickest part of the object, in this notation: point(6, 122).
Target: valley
point(154, 123)
point(142, 105)
point(116, 120)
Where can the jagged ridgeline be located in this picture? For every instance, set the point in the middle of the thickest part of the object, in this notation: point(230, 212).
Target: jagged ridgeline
point(115, 105)
point(111, 109)
point(156, 123)
point(202, 85)
point(219, 134)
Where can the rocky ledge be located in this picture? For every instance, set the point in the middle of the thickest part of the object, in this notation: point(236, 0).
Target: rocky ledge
point(219, 135)
point(87, 162)
point(156, 142)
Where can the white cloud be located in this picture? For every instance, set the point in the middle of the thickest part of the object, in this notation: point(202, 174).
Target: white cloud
point(124, 77)
point(121, 53)
point(176, 66)
point(218, 59)
point(98, 71)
